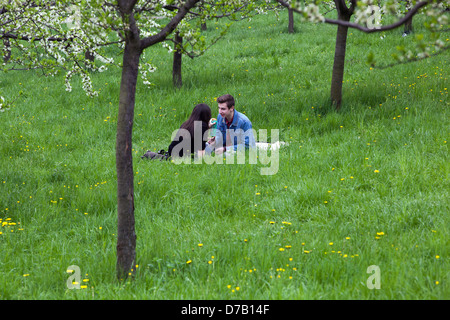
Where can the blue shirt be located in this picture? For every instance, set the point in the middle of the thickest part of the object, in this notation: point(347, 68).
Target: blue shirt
point(240, 131)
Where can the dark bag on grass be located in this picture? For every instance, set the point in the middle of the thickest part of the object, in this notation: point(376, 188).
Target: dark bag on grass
point(161, 155)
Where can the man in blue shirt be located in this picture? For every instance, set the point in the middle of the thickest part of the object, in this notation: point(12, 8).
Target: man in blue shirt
point(234, 129)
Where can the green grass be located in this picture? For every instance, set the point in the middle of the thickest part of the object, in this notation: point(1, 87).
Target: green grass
point(371, 179)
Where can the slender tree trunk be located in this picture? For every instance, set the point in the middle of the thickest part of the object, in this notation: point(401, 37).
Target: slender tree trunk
point(408, 24)
point(338, 67)
point(134, 46)
point(177, 56)
point(126, 237)
point(344, 14)
point(7, 53)
point(408, 27)
point(88, 56)
point(291, 21)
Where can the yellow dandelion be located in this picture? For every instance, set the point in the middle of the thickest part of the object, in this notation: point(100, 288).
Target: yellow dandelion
point(189, 261)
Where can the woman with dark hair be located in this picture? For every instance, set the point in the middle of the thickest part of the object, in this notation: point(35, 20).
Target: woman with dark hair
point(200, 118)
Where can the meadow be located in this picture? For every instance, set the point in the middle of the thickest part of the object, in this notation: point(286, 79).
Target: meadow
point(365, 186)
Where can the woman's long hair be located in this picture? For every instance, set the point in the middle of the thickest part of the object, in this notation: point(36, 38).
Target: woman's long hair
point(201, 112)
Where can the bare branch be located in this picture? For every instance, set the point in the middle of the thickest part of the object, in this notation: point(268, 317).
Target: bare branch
point(412, 60)
point(397, 24)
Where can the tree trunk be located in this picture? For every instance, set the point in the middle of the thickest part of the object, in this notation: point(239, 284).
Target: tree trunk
point(291, 21)
point(126, 237)
point(88, 56)
point(177, 55)
point(7, 50)
point(408, 27)
point(338, 67)
point(408, 24)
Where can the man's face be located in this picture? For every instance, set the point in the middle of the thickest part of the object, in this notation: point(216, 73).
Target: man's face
point(225, 112)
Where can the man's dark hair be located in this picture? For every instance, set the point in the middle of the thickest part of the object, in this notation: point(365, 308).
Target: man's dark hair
point(226, 98)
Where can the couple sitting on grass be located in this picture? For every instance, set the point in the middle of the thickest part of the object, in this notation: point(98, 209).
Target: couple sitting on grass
point(197, 136)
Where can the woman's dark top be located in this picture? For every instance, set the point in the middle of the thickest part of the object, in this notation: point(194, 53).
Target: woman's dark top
point(189, 150)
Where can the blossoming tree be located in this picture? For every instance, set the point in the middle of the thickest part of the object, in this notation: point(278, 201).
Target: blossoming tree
point(188, 40)
point(70, 36)
point(369, 16)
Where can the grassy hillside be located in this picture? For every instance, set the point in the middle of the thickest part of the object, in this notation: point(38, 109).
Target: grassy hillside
point(365, 186)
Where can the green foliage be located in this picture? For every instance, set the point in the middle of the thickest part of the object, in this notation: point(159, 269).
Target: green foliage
point(366, 186)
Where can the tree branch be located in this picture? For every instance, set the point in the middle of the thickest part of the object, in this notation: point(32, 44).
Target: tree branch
point(353, 25)
point(412, 60)
point(397, 24)
point(170, 27)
